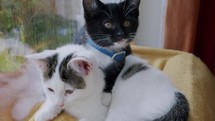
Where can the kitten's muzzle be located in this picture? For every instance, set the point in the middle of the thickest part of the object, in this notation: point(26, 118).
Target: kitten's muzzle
point(61, 105)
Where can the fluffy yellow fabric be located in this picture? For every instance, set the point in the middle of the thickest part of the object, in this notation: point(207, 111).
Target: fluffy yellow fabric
point(189, 75)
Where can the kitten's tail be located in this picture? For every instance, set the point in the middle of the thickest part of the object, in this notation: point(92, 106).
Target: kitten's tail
point(179, 111)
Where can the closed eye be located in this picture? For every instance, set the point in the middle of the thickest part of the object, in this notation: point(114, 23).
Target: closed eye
point(68, 91)
point(50, 89)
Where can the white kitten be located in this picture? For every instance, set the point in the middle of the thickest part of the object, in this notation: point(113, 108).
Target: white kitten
point(73, 82)
point(143, 93)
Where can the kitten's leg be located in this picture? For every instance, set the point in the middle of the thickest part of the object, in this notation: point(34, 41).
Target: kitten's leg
point(106, 99)
point(23, 107)
point(48, 112)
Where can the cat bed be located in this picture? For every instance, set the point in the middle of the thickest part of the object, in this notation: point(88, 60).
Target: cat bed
point(189, 74)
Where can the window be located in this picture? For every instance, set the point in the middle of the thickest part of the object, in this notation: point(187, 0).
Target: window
point(34, 25)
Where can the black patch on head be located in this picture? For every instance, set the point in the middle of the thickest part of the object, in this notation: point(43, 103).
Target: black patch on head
point(179, 111)
point(133, 69)
point(69, 75)
point(97, 14)
point(51, 66)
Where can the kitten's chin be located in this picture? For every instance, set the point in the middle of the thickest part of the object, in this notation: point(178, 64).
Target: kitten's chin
point(118, 46)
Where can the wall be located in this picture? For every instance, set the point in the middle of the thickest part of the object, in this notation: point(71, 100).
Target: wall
point(151, 27)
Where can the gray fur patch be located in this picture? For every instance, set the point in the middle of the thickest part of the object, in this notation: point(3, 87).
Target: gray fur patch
point(179, 111)
point(133, 69)
point(51, 66)
point(70, 76)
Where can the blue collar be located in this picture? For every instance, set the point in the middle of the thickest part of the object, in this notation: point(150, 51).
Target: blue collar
point(115, 56)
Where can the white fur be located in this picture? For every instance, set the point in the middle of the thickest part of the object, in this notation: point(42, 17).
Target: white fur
point(112, 1)
point(145, 96)
point(30, 95)
point(103, 61)
point(85, 104)
point(22, 87)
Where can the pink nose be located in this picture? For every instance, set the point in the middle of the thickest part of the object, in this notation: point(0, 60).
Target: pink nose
point(61, 105)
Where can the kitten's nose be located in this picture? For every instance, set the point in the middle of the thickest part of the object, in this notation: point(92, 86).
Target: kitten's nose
point(119, 38)
point(120, 35)
point(61, 105)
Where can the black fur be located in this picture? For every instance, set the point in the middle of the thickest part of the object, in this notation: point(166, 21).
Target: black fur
point(133, 69)
point(179, 111)
point(112, 71)
point(51, 66)
point(96, 17)
point(69, 76)
point(96, 14)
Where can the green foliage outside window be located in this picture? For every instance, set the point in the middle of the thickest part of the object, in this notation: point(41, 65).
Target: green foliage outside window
point(35, 25)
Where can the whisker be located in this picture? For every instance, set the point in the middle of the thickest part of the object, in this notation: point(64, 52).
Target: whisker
point(100, 35)
point(107, 14)
point(98, 38)
point(130, 11)
point(101, 43)
point(96, 33)
point(128, 8)
point(124, 7)
point(110, 10)
point(107, 44)
point(95, 37)
point(104, 42)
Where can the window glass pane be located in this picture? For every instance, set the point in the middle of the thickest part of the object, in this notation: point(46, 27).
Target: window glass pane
point(34, 25)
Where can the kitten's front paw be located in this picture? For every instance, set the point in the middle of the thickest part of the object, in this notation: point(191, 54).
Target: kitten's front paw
point(40, 116)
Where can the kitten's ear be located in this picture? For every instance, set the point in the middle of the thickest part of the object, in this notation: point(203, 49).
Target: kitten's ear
point(41, 55)
point(82, 65)
point(90, 6)
point(41, 59)
point(135, 3)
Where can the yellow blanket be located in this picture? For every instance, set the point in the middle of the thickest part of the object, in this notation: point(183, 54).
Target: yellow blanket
point(189, 75)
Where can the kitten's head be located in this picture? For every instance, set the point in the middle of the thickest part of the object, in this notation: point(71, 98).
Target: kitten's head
point(111, 25)
point(66, 73)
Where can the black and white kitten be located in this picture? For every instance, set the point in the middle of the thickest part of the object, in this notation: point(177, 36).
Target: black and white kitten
point(143, 93)
point(109, 29)
point(73, 82)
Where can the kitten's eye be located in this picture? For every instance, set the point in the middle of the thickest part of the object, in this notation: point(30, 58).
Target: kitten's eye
point(126, 23)
point(69, 91)
point(50, 89)
point(108, 25)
